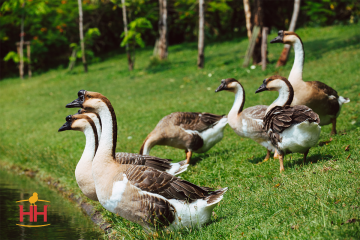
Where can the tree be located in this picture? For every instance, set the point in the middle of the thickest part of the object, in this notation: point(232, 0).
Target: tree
point(285, 52)
point(82, 36)
point(200, 61)
point(133, 37)
point(162, 44)
point(128, 54)
point(258, 21)
point(247, 17)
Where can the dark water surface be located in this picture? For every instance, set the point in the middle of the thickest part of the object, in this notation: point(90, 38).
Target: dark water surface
point(66, 219)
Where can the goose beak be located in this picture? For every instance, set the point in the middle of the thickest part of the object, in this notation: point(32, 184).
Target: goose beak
point(278, 39)
point(74, 104)
point(66, 126)
point(221, 87)
point(261, 88)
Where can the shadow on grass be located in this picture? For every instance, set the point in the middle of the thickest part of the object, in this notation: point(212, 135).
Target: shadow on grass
point(309, 160)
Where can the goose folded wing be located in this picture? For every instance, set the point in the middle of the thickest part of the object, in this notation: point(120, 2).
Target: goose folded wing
point(145, 160)
point(324, 88)
point(197, 121)
point(154, 181)
point(280, 118)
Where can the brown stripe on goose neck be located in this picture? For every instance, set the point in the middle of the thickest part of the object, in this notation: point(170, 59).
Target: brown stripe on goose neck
point(97, 115)
point(243, 100)
point(95, 133)
point(114, 123)
point(291, 89)
point(302, 45)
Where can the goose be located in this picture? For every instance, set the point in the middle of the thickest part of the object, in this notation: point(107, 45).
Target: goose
point(83, 170)
point(290, 129)
point(318, 96)
point(142, 194)
point(249, 122)
point(138, 159)
point(191, 131)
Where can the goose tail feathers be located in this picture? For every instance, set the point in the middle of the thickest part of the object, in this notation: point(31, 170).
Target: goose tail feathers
point(216, 196)
point(177, 168)
point(343, 100)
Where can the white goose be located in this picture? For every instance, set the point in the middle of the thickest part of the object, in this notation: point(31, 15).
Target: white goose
point(318, 96)
point(139, 193)
point(249, 122)
point(138, 159)
point(191, 131)
point(83, 171)
point(291, 129)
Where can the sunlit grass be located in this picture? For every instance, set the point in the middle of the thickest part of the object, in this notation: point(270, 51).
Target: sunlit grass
point(315, 200)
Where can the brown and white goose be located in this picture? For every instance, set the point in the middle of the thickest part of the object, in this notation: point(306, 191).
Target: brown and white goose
point(318, 96)
point(139, 193)
point(138, 159)
point(291, 129)
point(249, 122)
point(192, 131)
point(83, 171)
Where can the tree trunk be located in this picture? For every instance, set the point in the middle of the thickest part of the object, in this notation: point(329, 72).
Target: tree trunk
point(163, 29)
point(264, 47)
point(73, 59)
point(285, 52)
point(82, 36)
point(21, 47)
point(28, 48)
point(247, 17)
point(130, 62)
point(200, 61)
point(258, 21)
point(250, 49)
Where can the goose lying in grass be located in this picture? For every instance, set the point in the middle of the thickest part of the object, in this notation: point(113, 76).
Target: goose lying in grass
point(318, 96)
point(142, 194)
point(291, 129)
point(138, 159)
point(191, 131)
point(249, 122)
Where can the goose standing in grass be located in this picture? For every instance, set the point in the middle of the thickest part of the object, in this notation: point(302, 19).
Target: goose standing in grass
point(291, 129)
point(318, 96)
point(142, 194)
point(83, 172)
point(191, 131)
point(249, 122)
point(138, 159)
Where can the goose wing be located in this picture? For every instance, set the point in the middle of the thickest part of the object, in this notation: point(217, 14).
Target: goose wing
point(196, 121)
point(145, 160)
point(324, 88)
point(154, 181)
point(280, 118)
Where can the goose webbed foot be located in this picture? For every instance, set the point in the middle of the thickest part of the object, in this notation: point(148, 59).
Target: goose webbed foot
point(267, 156)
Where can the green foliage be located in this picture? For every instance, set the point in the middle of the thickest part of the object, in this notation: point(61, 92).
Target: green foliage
point(312, 200)
point(136, 28)
point(12, 56)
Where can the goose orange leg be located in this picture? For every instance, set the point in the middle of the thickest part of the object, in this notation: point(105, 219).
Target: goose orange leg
point(276, 154)
point(281, 158)
point(333, 130)
point(188, 156)
point(267, 155)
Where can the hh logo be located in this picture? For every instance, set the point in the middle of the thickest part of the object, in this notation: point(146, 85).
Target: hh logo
point(33, 213)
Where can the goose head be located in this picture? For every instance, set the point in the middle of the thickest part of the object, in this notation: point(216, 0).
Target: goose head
point(89, 101)
point(285, 37)
point(274, 83)
point(228, 84)
point(75, 122)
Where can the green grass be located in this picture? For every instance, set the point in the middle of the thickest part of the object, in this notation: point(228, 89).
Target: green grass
point(314, 200)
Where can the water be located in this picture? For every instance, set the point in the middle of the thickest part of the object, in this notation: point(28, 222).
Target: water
point(66, 219)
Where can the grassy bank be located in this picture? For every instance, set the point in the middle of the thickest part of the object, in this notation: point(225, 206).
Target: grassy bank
point(318, 200)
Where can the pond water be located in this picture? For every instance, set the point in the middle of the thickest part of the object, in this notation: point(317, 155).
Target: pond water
point(65, 220)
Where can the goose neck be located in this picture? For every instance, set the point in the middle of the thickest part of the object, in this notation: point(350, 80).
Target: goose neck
point(297, 69)
point(286, 95)
point(90, 146)
point(239, 102)
point(108, 137)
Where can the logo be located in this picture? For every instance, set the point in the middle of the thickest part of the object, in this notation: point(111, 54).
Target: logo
point(33, 213)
